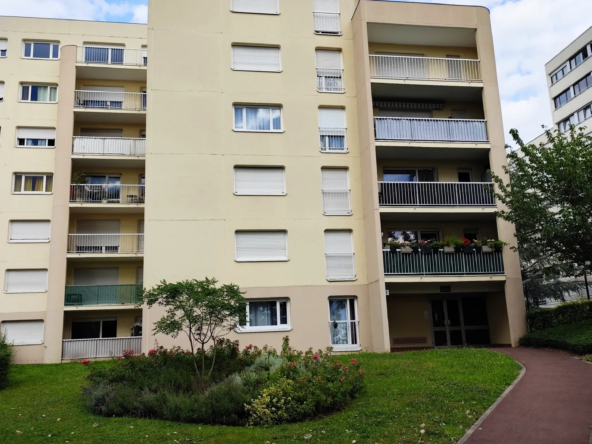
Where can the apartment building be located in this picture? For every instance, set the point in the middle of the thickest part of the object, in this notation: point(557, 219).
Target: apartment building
point(285, 143)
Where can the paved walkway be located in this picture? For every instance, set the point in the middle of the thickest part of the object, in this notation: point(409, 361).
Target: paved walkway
point(551, 404)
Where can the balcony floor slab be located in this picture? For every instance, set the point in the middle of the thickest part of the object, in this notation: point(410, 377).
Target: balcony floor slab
point(97, 71)
point(88, 257)
point(440, 213)
point(87, 208)
point(109, 115)
point(108, 161)
point(444, 279)
point(415, 150)
point(429, 82)
point(119, 307)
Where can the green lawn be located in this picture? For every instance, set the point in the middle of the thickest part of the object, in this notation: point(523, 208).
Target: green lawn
point(441, 392)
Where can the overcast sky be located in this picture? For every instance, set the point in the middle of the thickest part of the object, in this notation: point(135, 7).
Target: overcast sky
point(527, 34)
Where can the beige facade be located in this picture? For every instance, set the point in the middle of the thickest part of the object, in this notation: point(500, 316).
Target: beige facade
point(230, 104)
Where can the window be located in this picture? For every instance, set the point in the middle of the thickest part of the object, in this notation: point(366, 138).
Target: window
point(579, 58)
point(326, 17)
point(252, 118)
point(344, 324)
point(261, 246)
point(268, 315)
point(3, 47)
point(336, 190)
point(1, 91)
point(413, 236)
point(409, 175)
point(563, 98)
point(576, 118)
point(26, 281)
point(110, 55)
point(32, 183)
point(142, 134)
point(255, 181)
point(39, 93)
point(256, 58)
point(145, 55)
point(93, 328)
point(329, 71)
point(36, 137)
point(465, 175)
point(571, 64)
point(106, 97)
point(255, 6)
point(339, 255)
point(332, 129)
point(29, 231)
point(471, 234)
point(41, 50)
point(23, 332)
point(576, 89)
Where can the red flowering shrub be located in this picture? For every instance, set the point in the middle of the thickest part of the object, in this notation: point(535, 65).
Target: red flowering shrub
point(85, 362)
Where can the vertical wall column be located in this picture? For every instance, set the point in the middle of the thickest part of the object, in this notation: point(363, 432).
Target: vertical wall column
point(514, 292)
point(54, 324)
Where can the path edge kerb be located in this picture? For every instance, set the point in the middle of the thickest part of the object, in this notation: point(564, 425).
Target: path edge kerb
point(495, 404)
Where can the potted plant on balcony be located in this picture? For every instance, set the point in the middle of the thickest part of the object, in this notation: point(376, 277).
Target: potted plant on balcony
point(496, 245)
point(77, 192)
point(487, 245)
point(415, 246)
point(467, 246)
point(478, 244)
point(450, 244)
point(394, 246)
point(426, 247)
point(406, 248)
point(437, 246)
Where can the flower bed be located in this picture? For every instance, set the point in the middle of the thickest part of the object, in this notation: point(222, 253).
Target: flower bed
point(253, 386)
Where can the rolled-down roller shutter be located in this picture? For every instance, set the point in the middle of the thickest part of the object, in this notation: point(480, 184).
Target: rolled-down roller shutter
point(23, 332)
point(29, 230)
point(256, 6)
point(256, 58)
point(259, 181)
point(261, 246)
point(26, 281)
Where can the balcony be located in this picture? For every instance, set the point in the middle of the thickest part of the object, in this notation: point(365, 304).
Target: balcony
point(106, 243)
point(112, 56)
point(330, 80)
point(327, 23)
point(109, 146)
point(107, 194)
point(110, 100)
point(89, 295)
point(424, 68)
point(436, 194)
point(430, 130)
point(100, 348)
point(442, 264)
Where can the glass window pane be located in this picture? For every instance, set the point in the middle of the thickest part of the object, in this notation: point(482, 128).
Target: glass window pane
point(41, 50)
point(86, 330)
point(339, 333)
point(352, 310)
point(262, 314)
point(238, 118)
point(55, 51)
point(53, 94)
point(276, 116)
point(258, 119)
point(338, 309)
point(283, 313)
point(34, 183)
point(117, 56)
point(34, 93)
point(49, 184)
point(18, 183)
point(429, 235)
point(28, 50)
point(402, 236)
point(109, 329)
point(400, 176)
point(25, 93)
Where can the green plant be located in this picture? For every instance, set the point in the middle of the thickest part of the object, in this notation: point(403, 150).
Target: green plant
point(437, 244)
point(78, 178)
point(395, 244)
point(567, 313)
point(5, 361)
point(575, 338)
point(452, 241)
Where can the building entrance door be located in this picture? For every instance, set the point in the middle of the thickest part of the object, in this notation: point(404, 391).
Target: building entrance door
point(459, 321)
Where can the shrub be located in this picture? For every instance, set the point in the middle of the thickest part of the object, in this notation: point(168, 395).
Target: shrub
point(575, 338)
point(5, 360)
point(568, 313)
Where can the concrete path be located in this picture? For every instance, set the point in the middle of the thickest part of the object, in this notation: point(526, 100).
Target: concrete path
point(551, 404)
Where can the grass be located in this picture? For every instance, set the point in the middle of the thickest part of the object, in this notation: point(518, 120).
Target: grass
point(442, 392)
point(575, 338)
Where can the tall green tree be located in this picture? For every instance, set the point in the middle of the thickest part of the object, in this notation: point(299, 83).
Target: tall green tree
point(201, 310)
point(549, 200)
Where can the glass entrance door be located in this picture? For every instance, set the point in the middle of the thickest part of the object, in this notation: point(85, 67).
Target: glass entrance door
point(459, 321)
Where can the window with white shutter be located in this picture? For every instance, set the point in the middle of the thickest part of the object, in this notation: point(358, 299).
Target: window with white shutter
point(256, 181)
point(339, 254)
point(25, 281)
point(332, 130)
point(261, 246)
point(255, 6)
point(256, 58)
point(326, 17)
point(329, 71)
point(35, 137)
point(336, 190)
point(29, 231)
point(23, 332)
point(3, 47)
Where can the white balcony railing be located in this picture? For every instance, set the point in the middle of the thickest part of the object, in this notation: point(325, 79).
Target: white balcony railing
point(106, 243)
point(327, 22)
point(460, 194)
point(100, 348)
point(336, 202)
point(436, 130)
point(127, 101)
point(340, 266)
point(108, 193)
point(109, 146)
point(330, 80)
point(112, 56)
point(424, 68)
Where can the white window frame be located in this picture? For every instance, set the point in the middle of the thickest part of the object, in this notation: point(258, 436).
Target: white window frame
point(237, 259)
point(243, 167)
point(3, 325)
point(33, 42)
point(263, 13)
point(45, 176)
point(574, 119)
point(268, 328)
point(27, 241)
point(25, 269)
point(30, 85)
point(4, 52)
point(46, 146)
point(271, 108)
point(351, 346)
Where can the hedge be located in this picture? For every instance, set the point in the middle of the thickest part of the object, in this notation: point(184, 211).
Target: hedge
point(564, 314)
point(5, 360)
point(575, 338)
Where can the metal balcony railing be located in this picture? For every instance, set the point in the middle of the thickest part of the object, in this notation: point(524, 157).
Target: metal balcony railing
point(340, 266)
point(336, 202)
point(108, 193)
point(100, 348)
point(327, 22)
point(333, 140)
point(440, 263)
point(424, 68)
point(126, 101)
point(81, 295)
point(109, 146)
point(112, 56)
point(330, 80)
point(436, 130)
point(106, 243)
point(460, 194)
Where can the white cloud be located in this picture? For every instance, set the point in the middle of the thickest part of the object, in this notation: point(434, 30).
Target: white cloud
point(140, 14)
point(74, 9)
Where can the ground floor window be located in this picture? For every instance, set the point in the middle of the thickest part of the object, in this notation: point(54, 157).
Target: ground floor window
point(343, 323)
point(267, 315)
point(94, 328)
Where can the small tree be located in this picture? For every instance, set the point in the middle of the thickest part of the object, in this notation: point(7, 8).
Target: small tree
point(199, 309)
